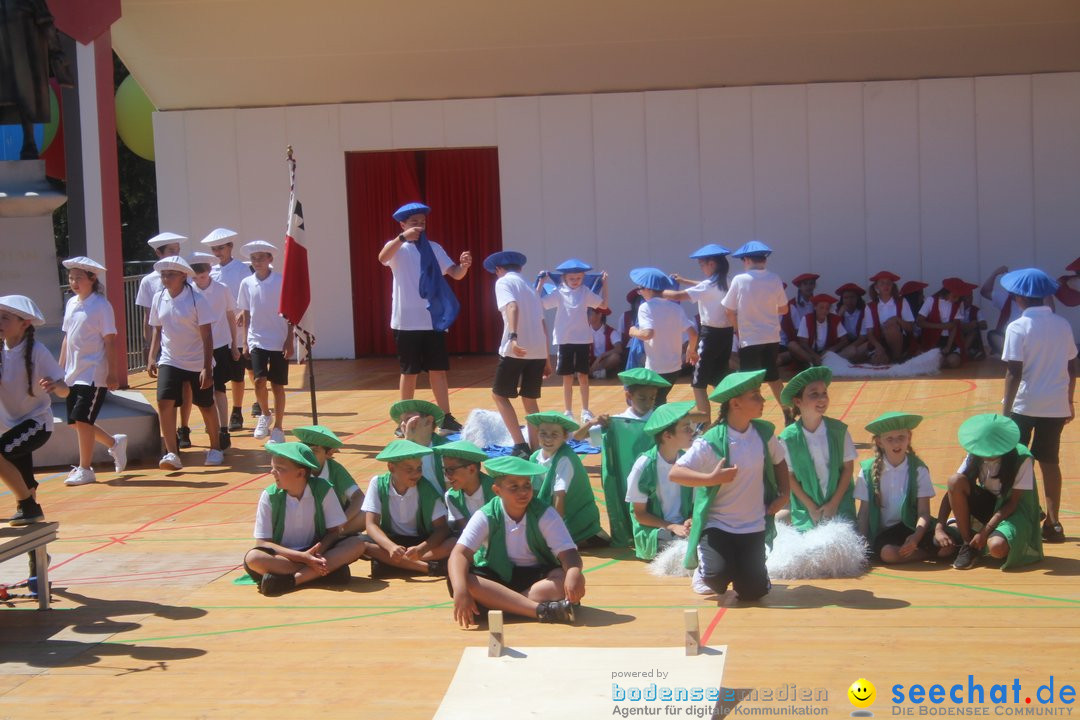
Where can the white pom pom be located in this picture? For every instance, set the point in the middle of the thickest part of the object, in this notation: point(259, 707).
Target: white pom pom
point(484, 428)
point(669, 561)
point(833, 549)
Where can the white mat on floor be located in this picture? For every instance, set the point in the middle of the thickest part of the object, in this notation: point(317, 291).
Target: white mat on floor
point(575, 682)
point(929, 363)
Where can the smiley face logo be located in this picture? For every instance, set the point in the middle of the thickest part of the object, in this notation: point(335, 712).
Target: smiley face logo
point(862, 693)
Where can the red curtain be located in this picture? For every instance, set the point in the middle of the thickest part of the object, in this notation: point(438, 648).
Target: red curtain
point(377, 183)
point(462, 188)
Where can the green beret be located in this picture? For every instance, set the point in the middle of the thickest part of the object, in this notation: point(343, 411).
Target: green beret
point(989, 435)
point(891, 421)
point(736, 384)
point(421, 406)
point(318, 435)
point(667, 415)
point(403, 450)
point(552, 417)
point(512, 465)
point(642, 376)
point(295, 452)
point(800, 381)
point(462, 449)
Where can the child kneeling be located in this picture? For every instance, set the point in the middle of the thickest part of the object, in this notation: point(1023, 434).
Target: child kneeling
point(532, 571)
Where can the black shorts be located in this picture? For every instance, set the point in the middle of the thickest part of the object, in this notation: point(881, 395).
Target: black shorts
point(662, 392)
point(84, 403)
point(170, 386)
point(18, 444)
point(981, 503)
point(257, 576)
point(421, 351)
point(897, 535)
point(514, 376)
point(573, 358)
point(736, 559)
point(223, 367)
point(405, 541)
point(270, 364)
point(714, 354)
point(521, 579)
point(237, 368)
point(1047, 436)
point(760, 357)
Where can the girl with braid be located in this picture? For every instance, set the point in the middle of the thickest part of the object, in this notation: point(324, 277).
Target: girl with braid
point(28, 373)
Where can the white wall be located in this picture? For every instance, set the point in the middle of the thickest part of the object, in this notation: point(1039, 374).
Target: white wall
point(929, 178)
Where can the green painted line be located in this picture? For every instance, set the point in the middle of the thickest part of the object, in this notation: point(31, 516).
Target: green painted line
point(879, 573)
point(601, 566)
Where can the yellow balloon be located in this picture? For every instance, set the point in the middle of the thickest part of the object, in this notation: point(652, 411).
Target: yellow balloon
point(134, 123)
point(862, 693)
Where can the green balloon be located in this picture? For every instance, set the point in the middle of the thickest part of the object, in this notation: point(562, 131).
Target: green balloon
point(133, 118)
point(54, 121)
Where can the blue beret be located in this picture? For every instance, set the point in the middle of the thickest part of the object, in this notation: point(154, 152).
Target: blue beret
point(574, 265)
point(752, 248)
point(407, 210)
point(651, 278)
point(1029, 282)
point(501, 258)
point(710, 250)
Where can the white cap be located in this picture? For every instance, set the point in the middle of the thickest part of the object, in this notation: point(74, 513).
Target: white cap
point(174, 262)
point(218, 236)
point(197, 257)
point(24, 307)
point(82, 262)
point(165, 238)
point(259, 246)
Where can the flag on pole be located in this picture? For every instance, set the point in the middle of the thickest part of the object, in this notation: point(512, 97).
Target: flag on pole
point(295, 284)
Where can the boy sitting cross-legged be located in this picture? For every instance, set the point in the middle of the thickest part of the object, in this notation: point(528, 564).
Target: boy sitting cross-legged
point(324, 443)
point(468, 487)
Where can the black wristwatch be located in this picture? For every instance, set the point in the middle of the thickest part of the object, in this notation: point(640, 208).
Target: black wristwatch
point(512, 336)
point(401, 237)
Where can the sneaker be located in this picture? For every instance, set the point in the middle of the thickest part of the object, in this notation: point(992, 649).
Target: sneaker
point(555, 611)
point(598, 374)
point(262, 427)
point(1053, 533)
point(236, 420)
point(522, 450)
point(697, 583)
point(29, 512)
point(967, 558)
point(378, 570)
point(569, 415)
point(450, 424)
point(337, 578)
point(170, 461)
point(224, 439)
point(81, 476)
point(214, 457)
point(119, 452)
point(437, 568)
point(183, 438)
point(277, 435)
point(586, 417)
point(274, 584)
point(256, 410)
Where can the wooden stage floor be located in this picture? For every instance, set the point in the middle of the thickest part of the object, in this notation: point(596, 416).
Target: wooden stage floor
point(147, 621)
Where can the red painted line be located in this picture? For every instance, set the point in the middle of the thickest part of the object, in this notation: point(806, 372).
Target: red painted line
point(853, 399)
point(712, 626)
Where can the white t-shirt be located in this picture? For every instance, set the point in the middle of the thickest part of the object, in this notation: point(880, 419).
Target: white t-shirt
point(669, 493)
point(893, 483)
point(944, 311)
point(299, 527)
point(851, 322)
point(564, 472)
point(630, 413)
point(552, 527)
point(472, 503)
point(149, 286)
point(1043, 342)
point(511, 287)
point(231, 275)
point(817, 442)
point(663, 351)
point(739, 506)
point(262, 298)
point(988, 474)
point(886, 310)
point(403, 508)
point(709, 297)
point(599, 339)
point(87, 323)
point(179, 319)
point(16, 403)
point(409, 311)
point(755, 296)
point(822, 335)
point(221, 302)
point(571, 317)
point(325, 475)
point(798, 310)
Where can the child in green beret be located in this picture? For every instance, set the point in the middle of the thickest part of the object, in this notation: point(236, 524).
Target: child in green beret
point(298, 527)
point(468, 487)
point(324, 445)
point(564, 483)
point(404, 514)
point(515, 554)
point(417, 421)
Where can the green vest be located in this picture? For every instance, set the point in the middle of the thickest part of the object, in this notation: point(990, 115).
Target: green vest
point(717, 438)
point(341, 481)
point(802, 465)
point(457, 497)
point(318, 487)
point(909, 506)
point(436, 461)
point(1022, 529)
point(494, 555)
point(580, 513)
point(624, 441)
point(644, 536)
point(428, 497)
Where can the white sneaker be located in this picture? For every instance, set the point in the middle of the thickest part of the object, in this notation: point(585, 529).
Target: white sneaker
point(586, 417)
point(80, 476)
point(277, 435)
point(214, 457)
point(119, 452)
point(697, 583)
point(170, 461)
point(262, 427)
point(569, 414)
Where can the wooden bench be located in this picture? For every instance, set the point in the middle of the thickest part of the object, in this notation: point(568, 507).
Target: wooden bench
point(17, 541)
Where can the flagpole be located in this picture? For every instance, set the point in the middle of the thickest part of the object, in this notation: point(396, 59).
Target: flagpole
point(306, 338)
